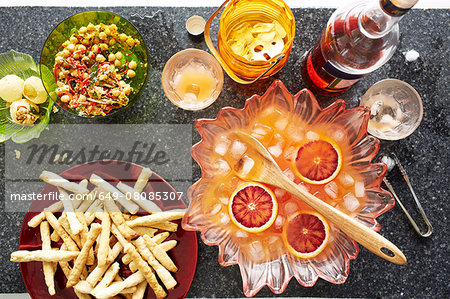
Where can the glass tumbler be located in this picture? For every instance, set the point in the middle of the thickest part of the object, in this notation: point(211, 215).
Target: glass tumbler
point(396, 109)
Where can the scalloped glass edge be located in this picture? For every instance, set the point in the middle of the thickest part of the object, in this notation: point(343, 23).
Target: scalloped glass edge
point(277, 273)
point(24, 66)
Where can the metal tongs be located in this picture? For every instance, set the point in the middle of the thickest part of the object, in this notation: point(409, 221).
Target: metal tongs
point(390, 163)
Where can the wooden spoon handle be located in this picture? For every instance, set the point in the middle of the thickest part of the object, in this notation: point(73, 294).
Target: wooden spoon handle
point(354, 229)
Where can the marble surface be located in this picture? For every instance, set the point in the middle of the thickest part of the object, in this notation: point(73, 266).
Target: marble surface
point(199, 3)
point(424, 154)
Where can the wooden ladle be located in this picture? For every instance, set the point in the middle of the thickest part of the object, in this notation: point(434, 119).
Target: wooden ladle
point(267, 171)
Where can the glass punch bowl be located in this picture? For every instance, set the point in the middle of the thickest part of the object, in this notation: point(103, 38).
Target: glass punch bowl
point(265, 260)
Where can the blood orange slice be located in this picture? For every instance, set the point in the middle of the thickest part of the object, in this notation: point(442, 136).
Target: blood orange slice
point(253, 207)
point(318, 161)
point(306, 234)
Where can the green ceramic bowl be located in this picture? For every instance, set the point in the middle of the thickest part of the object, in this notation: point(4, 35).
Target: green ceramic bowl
point(65, 29)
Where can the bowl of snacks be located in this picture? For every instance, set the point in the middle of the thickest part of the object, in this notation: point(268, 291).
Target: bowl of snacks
point(122, 263)
point(269, 233)
point(99, 63)
point(24, 104)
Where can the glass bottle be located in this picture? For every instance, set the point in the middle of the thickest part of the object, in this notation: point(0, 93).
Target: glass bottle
point(357, 40)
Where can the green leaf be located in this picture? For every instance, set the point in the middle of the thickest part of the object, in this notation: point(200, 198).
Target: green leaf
point(23, 66)
point(93, 75)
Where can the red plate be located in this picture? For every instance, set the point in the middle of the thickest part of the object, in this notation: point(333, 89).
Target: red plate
point(184, 254)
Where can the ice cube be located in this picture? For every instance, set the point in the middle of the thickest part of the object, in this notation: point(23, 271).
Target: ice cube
point(375, 108)
point(345, 179)
point(290, 208)
point(221, 166)
point(389, 120)
point(279, 221)
point(199, 66)
point(245, 165)
point(256, 250)
point(288, 172)
point(279, 193)
point(271, 113)
point(191, 93)
point(222, 145)
point(312, 135)
point(278, 140)
point(221, 149)
point(331, 189)
point(241, 234)
point(386, 119)
point(290, 154)
point(303, 186)
point(176, 80)
point(338, 135)
point(295, 132)
point(276, 145)
point(261, 131)
point(216, 209)
point(281, 124)
point(275, 150)
point(351, 203)
point(237, 149)
point(224, 200)
point(359, 189)
point(224, 219)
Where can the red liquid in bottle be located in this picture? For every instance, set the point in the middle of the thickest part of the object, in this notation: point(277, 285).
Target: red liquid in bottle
point(317, 78)
point(346, 52)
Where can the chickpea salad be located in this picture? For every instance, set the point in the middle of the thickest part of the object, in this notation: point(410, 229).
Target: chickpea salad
point(94, 68)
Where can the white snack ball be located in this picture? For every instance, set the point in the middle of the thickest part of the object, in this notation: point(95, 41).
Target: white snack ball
point(411, 55)
point(34, 90)
point(24, 112)
point(11, 88)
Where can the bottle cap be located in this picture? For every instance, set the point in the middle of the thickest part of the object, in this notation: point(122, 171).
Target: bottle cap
point(406, 4)
point(195, 25)
point(397, 8)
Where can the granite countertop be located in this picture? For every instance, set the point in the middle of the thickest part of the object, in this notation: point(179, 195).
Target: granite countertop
point(424, 154)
